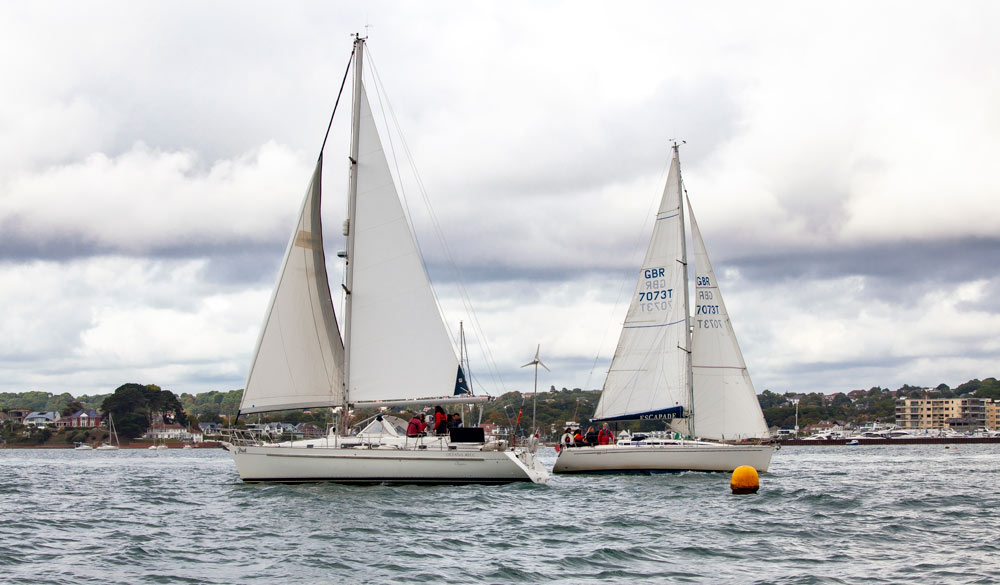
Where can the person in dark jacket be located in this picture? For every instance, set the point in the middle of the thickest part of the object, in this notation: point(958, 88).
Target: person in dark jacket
point(454, 421)
point(591, 437)
point(417, 426)
point(440, 421)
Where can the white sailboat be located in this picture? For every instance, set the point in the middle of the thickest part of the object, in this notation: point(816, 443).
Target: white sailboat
point(112, 443)
point(395, 350)
point(677, 367)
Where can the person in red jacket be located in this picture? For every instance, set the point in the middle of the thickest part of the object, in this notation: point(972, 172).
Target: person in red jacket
point(417, 426)
point(605, 436)
point(440, 421)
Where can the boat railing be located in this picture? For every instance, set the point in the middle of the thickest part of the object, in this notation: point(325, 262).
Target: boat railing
point(242, 437)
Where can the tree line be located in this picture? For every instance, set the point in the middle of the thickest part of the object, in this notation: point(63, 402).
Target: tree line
point(136, 407)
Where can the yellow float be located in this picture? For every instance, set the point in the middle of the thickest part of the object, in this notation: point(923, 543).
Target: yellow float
point(745, 480)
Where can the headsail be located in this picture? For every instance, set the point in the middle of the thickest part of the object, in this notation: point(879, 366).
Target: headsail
point(298, 361)
point(648, 377)
point(725, 402)
point(400, 349)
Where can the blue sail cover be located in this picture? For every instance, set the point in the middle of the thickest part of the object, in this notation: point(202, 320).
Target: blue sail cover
point(461, 387)
point(664, 414)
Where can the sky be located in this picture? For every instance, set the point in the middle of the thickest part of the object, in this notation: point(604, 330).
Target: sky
point(841, 159)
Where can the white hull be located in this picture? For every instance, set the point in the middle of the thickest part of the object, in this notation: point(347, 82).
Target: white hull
point(292, 464)
point(675, 456)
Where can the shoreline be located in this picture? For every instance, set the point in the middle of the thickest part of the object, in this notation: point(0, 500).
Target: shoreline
point(907, 441)
point(130, 446)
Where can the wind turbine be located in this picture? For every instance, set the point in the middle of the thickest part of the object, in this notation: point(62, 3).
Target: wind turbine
point(535, 362)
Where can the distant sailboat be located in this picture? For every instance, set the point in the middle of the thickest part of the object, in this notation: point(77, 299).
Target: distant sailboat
point(395, 349)
point(112, 443)
point(672, 366)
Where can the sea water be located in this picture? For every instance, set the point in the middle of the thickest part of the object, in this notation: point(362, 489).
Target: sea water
point(852, 515)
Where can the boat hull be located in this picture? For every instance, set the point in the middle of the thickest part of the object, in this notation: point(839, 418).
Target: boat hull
point(680, 456)
point(284, 464)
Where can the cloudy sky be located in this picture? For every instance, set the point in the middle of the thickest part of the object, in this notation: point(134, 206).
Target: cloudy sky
point(841, 158)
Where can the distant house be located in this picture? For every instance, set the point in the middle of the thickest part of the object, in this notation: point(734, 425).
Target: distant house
point(41, 419)
point(855, 394)
point(823, 428)
point(17, 415)
point(493, 430)
point(309, 430)
point(81, 418)
point(210, 428)
point(173, 432)
point(277, 429)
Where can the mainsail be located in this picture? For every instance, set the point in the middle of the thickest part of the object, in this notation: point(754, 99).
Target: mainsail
point(649, 374)
point(298, 361)
point(725, 402)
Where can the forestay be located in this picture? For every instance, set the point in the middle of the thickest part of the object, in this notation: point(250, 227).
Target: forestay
point(299, 355)
point(648, 377)
point(725, 402)
point(400, 349)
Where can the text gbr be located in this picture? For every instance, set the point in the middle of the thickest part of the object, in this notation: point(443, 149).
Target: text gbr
point(655, 296)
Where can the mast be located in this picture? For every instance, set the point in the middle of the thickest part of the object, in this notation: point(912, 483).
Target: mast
point(359, 51)
point(687, 301)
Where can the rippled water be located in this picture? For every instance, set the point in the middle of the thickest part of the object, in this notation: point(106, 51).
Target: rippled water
point(887, 514)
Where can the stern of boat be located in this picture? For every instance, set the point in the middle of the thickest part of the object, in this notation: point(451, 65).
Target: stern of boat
point(529, 464)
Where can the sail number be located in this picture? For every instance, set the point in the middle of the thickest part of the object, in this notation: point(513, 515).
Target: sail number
point(654, 294)
point(707, 310)
point(709, 323)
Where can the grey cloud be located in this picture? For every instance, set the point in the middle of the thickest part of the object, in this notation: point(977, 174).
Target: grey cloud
point(899, 264)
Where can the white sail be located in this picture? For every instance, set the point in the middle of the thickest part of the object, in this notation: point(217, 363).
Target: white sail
point(298, 361)
point(399, 347)
point(648, 377)
point(725, 403)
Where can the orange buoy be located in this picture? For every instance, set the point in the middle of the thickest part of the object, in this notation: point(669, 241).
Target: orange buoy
point(745, 480)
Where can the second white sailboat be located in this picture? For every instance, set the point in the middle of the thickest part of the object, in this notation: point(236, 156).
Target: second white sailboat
point(685, 370)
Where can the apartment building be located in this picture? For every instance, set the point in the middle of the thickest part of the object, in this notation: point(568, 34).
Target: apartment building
point(942, 413)
point(993, 415)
